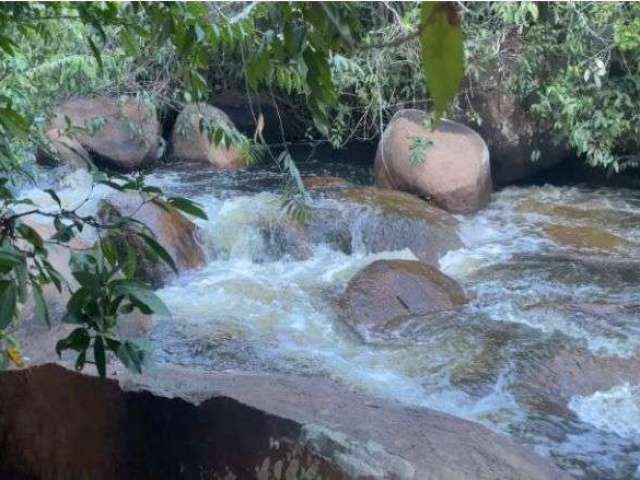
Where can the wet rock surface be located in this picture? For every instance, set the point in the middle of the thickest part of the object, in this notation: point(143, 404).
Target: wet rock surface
point(177, 234)
point(384, 293)
point(388, 220)
point(178, 423)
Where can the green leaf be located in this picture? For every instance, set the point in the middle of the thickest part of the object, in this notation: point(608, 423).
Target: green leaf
point(159, 250)
point(8, 260)
point(142, 295)
point(8, 298)
point(77, 340)
point(131, 355)
point(96, 53)
point(187, 206)
point(99, 356)
point(41, 311)
point(442, 52)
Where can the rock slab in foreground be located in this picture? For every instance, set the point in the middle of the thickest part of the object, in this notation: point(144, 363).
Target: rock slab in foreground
point(449, 164)
point(55, 423)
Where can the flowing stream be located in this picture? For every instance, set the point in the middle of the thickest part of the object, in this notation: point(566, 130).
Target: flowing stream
point(549, 269)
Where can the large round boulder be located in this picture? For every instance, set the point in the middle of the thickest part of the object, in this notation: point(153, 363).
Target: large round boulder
point(192, 142)
point(120, 133)
point(176, 233)
point(382, 294)
point(380, 220)
point(448, 164)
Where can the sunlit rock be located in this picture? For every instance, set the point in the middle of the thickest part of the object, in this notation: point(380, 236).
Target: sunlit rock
point(191, 137)
point(448, 164)
point(177, 234)
point(120, 133)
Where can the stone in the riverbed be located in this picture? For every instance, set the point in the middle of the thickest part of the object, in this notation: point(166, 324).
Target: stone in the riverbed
point(548, 374)
point(380, 296)
point(387, 220)
point(324, 182)
point(176, 233)
point(285, 237)
point(121, 133)
point(64, 151)
point(521, 143)
point(584, 237)
point(448, 164)
point(191, 142)
point(179, 423)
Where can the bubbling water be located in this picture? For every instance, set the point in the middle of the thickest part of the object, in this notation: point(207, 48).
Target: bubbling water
point(527, 279)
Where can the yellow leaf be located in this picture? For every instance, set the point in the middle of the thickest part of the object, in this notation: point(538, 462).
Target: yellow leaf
point(16, 357)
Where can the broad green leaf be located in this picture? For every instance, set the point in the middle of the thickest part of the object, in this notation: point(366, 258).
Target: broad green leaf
point(77, 340)
point(442, 52)
point(99, 356)
point(8, 298)
point(159, 250)
point(131, 355)
point(187, 206)
point(41, 311)
point(141, 295)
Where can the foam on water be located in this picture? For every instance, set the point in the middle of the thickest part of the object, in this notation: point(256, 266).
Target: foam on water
point(616, 410)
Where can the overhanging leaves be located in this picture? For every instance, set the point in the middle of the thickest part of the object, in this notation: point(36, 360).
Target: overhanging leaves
point(442, 52)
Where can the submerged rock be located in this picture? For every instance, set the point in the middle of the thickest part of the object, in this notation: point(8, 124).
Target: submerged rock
point(177, 234)
point(324, 182)
point(548, 374)
point(585, 238)
point(449, 164)
point(123, 134)
point(378, 297)
point(178, 423)
point(191, 142)
point(385, 220)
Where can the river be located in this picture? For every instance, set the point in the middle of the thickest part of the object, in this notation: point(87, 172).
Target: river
point(549, 269)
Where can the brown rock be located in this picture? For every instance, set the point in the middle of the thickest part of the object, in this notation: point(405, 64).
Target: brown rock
point(389, 220)
point(547, 376)
point(127, 132)
point(454, 166)
point(191, 141)
point(286, 237)
point(585, 237)
point(520, 145)
point(178, 423)
point(65, 150)
point(324, 183)
point(176, 233)
point(378, 297)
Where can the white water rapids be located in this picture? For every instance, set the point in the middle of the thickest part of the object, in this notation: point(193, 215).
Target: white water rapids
point(246, 311)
